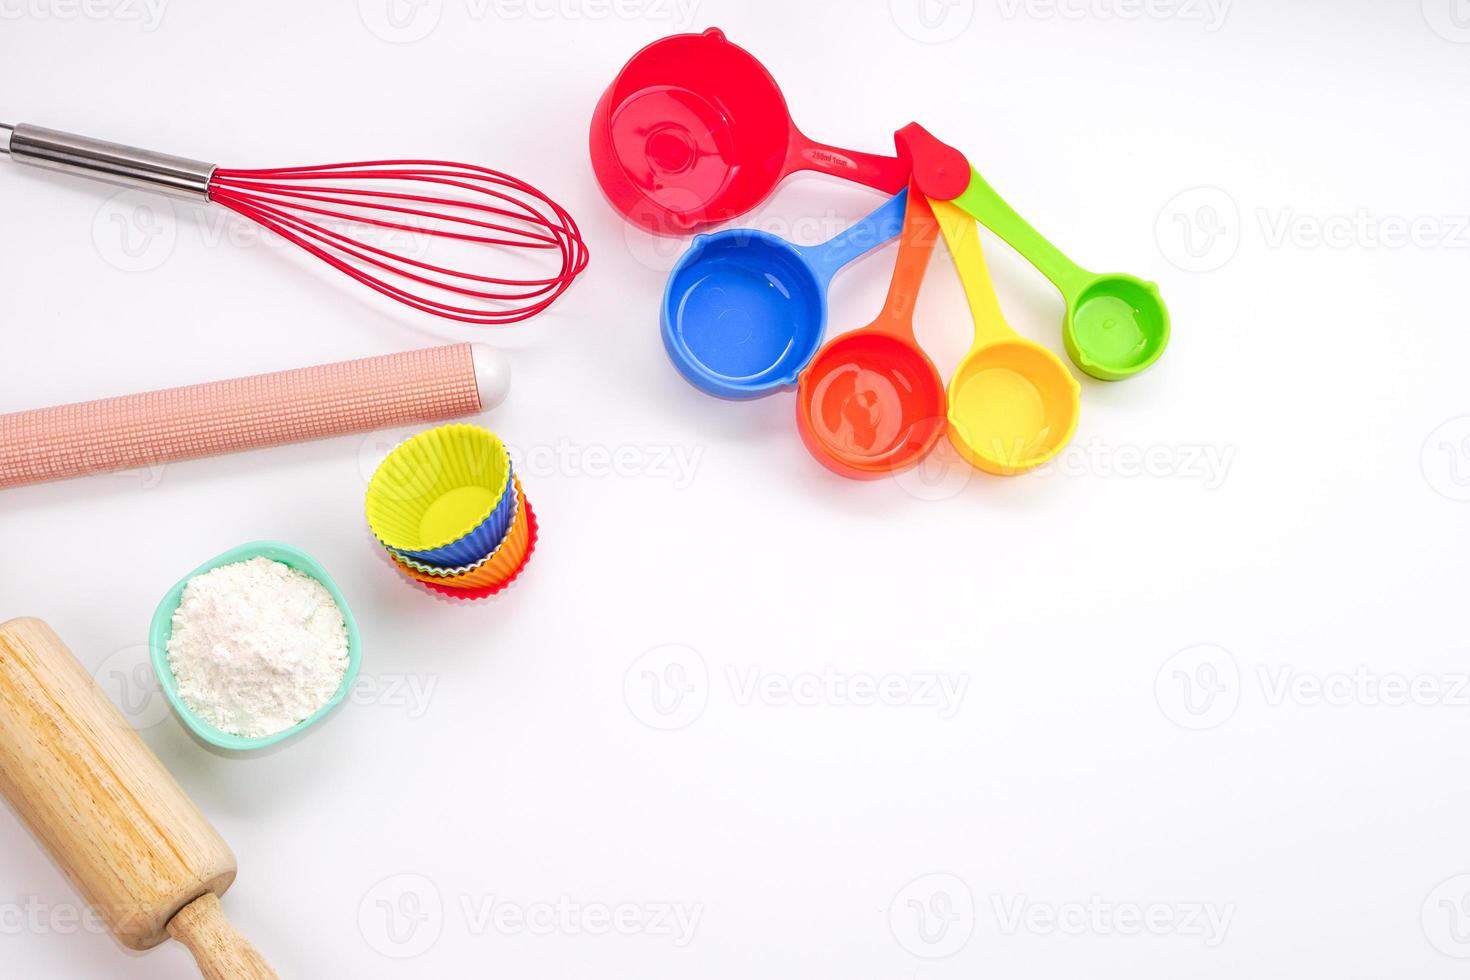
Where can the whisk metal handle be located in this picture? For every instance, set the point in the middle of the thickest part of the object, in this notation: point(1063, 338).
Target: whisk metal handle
point(113, 162)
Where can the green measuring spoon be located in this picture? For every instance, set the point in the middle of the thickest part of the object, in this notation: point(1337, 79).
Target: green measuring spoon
point(1116, 324)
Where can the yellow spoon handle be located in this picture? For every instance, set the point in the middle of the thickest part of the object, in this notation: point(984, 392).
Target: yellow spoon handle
point(963, 238)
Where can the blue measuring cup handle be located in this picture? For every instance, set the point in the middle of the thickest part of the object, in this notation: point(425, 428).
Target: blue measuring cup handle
point(883, 225)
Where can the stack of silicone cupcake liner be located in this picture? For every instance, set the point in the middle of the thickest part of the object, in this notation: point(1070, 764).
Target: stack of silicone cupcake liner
point(449, 510)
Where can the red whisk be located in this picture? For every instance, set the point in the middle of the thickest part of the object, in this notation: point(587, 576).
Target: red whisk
point(374, 221)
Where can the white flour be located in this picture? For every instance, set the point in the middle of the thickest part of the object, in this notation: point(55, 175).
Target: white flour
point(257, 647)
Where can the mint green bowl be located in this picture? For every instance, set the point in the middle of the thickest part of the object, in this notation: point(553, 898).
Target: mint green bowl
point(163, 628)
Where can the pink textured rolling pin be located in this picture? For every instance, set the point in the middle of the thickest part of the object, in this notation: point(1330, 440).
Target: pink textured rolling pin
point(249, 413)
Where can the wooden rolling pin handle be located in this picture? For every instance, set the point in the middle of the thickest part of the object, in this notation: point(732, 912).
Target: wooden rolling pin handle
point(221, 952)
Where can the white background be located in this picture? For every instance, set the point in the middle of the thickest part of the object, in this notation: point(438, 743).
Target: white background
point(1138, 647)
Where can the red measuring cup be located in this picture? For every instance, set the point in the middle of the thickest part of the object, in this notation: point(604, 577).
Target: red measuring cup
point(871, 402)
point(694, 131)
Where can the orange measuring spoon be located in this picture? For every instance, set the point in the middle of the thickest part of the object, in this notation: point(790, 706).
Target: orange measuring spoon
point(871, 402)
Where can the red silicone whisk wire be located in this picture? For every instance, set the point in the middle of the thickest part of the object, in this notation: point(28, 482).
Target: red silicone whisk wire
point(502, 212)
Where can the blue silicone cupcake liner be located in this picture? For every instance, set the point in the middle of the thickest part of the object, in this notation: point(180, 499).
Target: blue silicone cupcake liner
point(162, 630)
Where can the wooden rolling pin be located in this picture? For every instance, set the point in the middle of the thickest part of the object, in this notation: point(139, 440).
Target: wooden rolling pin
point(123, 831)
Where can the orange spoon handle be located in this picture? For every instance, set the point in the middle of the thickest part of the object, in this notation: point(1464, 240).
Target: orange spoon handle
point(914, 248)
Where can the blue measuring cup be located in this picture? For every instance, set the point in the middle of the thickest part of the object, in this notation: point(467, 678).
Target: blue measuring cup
point(745, 310)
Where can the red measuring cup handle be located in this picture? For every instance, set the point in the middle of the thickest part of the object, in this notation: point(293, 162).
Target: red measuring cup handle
point(888, 174)
point(939, 170)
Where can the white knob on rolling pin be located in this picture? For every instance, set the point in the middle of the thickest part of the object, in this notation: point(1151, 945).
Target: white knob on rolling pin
point(492, 375)
point(156, 427)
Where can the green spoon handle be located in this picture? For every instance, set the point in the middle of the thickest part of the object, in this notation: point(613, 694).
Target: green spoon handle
point(982, 203)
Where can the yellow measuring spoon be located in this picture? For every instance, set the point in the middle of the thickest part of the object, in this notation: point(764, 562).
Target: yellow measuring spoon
point(1013, 404)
